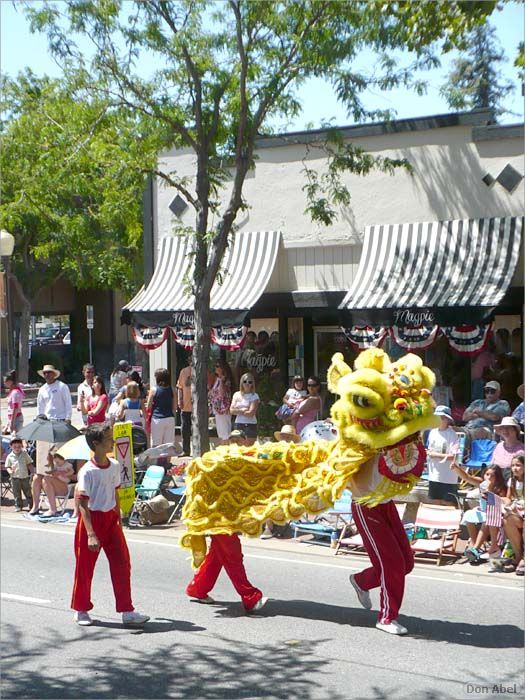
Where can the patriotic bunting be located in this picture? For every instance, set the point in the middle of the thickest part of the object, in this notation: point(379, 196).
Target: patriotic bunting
point(150, 338)
point(366, 336)
point(468, 340)
point(414, 338)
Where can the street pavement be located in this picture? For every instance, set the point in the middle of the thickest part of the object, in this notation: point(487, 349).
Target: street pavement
point(311, 641)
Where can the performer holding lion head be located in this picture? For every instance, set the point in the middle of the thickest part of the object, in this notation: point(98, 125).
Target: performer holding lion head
point(378, 455)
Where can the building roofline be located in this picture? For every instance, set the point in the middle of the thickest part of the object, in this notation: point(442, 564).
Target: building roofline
point(475, 118)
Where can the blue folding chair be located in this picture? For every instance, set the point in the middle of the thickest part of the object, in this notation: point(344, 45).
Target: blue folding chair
point(481, 452)
point(148, 488)
point(321, 527)
point(180, 492)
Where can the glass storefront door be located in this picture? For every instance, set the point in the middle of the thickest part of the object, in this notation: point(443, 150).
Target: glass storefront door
point(327, 341)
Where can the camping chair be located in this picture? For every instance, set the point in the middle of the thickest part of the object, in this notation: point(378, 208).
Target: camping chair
point(354, 543)
point(148, 488)
point(61, 501)
point(481, 452)
point(445, 520)
point(5, 483)
point(321, 527)
point(180, 493)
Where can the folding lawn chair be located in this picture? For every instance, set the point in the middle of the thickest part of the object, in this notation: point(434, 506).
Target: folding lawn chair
point(148, 488)
point(354, 543)
point(179, 492)
point(322, 526)
point(445, 520)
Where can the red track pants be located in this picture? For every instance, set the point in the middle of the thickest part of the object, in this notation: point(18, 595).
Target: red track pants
point(225, 551)
point(109, 533)
point(389, 550)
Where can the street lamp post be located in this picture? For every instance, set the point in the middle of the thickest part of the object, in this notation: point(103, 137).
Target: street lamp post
point(7, 245)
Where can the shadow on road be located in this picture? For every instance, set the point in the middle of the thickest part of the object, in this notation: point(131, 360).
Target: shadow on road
point(227, 670)
point(485, 636)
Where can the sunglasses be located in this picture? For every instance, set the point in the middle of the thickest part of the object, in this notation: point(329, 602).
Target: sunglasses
point(310, 384)
point(489, 391)
point(247, 381)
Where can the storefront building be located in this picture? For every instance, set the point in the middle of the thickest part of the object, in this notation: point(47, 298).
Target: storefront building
point(429, 260)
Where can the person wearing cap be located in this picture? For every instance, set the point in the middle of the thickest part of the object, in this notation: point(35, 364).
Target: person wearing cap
point(510, 444)
point(483, 414)
point(237, 437)
point(118, 378)
point(53, 401)
point(18, 465)
point(441, 451)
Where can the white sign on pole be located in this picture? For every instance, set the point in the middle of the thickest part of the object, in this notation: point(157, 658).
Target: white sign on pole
point(89, 317)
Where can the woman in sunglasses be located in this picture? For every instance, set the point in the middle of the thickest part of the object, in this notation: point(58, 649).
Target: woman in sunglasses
point(245, 403)
point(310, 408)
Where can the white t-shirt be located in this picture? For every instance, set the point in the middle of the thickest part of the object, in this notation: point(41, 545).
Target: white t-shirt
point(99, 484)
point(244, 401)
point(445, 441)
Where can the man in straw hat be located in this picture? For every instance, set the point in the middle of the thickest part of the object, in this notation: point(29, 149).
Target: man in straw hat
point(54, 402)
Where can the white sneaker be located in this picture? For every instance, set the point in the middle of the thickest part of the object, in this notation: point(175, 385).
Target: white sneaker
point(133, 617)
point(207, 601)
point(363, 596)
point(267, 534)
point(258, 605)
point(391, 627)
point(83, 619)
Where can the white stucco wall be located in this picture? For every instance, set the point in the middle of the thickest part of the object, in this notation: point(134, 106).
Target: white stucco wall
point(446, 184)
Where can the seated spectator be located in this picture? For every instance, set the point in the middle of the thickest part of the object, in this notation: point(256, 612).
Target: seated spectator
point(515, 513)
point(237, 437)
point(131, 408)
point(483, 414)
point(56, 480)
point(493, 481)
point(441, 452)
point(292, 399)
point(518, 411)
point(510, 444)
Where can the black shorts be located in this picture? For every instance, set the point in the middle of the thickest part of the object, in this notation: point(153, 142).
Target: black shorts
point(442, 492)
point(250, 429)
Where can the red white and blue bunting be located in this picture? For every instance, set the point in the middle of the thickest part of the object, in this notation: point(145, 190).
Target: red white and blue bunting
point(228, 337)
point(150, 338)
point(468, 340)
point(414, 338)
point(465, 339)
point(363, 337)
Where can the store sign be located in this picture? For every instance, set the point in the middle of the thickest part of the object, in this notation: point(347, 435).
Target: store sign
point(405, 317)
point(261, 363)
point(183, 318)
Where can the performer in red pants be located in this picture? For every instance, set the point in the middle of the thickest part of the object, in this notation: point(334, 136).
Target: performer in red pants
point(387, 544)
point(225, 551)
point(99, 527)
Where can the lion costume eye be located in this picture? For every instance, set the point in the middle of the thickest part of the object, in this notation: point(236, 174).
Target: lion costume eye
point(404, 379)
point(360, 401)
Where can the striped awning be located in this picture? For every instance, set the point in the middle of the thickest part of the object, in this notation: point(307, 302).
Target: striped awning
point(444, 272)
point(168, 301)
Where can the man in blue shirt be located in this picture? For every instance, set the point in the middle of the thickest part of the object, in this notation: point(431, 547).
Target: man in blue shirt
point(483, 414)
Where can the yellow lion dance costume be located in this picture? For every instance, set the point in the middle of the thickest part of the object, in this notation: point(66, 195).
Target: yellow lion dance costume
point(382, 409)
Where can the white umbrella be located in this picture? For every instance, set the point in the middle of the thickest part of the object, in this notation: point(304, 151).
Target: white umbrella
point(77, 448)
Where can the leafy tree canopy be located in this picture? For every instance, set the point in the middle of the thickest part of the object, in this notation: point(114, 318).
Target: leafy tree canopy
point(475, 81)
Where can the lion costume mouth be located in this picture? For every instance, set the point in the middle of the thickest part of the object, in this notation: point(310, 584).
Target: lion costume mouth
point(367, 423)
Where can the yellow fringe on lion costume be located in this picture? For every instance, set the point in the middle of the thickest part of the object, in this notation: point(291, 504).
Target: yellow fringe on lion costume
point(382, 409)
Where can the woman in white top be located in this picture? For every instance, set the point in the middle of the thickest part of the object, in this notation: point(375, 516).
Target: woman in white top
point(245, 403)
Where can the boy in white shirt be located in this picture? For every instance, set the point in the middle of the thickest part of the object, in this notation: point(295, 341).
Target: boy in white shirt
point(100, 526)
point(441, 452)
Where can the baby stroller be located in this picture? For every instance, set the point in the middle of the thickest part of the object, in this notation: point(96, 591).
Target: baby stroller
point(139, 440)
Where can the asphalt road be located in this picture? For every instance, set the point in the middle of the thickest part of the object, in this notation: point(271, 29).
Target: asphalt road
point(311, 641)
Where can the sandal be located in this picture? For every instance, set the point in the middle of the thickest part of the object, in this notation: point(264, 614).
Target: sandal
point(520, 569)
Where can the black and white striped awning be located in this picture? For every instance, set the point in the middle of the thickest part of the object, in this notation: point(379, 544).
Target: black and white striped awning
point(167, 301)
point(444, 272)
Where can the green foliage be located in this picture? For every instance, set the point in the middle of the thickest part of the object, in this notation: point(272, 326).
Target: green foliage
point(69, 191)
point(475, 81)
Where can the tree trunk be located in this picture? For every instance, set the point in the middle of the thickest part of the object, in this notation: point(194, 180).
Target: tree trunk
point(23, 343)
point(201, 353)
